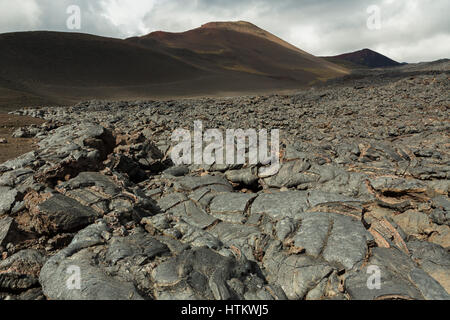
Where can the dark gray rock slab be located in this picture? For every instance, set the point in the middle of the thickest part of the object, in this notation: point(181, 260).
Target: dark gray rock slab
point(193, 214)
point(8, 231)
point(441, 213)
point(62, 214)
point(20, 272)
point(177, 171)
point(171, 200)
point(197, 237)
point(339, 239)
point(281, 204)
point(20, 162)
point(56, 274)
point(91, 179)
point(247, 177)
point(81, 258)
point(313, 233)
point(292, 174)
point(13, 178)
point(433, 259)
point(28, 257)
point(139, 244)
point(7, 199)
point(202, 271)
point(347, 242)
point(235, 234)
point(296, 274)
point(351, 184)
point(285, 227)
point(14, 282)
point(231, 207)
point(400, 278)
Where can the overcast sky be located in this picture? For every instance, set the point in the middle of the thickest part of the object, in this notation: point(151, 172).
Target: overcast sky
point(410, 30)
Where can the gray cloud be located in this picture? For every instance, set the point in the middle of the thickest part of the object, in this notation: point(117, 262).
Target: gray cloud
point(411, 30)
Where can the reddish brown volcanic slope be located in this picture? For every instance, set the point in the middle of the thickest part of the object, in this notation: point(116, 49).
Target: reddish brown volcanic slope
point(216, 59)
point(243, 47)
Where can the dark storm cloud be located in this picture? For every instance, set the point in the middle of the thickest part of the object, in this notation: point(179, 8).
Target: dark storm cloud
point(411, 30)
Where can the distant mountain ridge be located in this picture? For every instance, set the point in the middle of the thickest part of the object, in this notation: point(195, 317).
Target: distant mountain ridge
point(365, 58)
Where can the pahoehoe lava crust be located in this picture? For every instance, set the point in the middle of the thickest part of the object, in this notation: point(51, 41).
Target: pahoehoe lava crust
point(364, 182)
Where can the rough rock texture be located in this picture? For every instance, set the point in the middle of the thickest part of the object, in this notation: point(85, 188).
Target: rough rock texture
point(363, 186)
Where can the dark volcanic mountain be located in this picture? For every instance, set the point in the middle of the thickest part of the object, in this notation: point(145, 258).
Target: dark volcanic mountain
point(245, 48)
point(365, 58)
point(45, 67)
point(218, 58)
